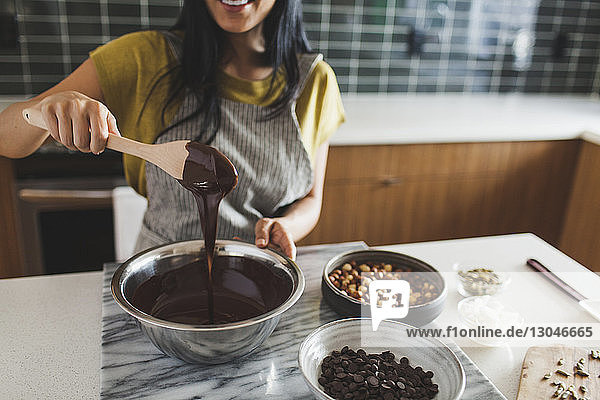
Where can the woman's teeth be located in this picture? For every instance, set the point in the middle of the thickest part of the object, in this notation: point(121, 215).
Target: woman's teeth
point(235, 2)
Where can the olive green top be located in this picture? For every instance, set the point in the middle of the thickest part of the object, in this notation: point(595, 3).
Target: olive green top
point(132, 74)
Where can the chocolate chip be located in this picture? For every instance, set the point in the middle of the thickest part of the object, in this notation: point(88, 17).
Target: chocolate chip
point(349, 374)
point(373, 381)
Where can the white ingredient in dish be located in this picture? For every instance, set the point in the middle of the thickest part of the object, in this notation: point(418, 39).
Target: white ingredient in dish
point(488, 312)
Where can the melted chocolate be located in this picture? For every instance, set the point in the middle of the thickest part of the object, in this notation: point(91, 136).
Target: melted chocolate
point(242, 288)
point(210, 176)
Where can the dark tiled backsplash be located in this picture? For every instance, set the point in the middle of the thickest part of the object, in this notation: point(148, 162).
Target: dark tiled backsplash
point(546, 46)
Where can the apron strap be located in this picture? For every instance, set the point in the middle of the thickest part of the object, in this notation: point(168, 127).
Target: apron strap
point(175, 43)
point(306, 64)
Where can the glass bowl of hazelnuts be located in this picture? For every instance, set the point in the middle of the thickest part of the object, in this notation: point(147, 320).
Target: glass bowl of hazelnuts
point(346, 279)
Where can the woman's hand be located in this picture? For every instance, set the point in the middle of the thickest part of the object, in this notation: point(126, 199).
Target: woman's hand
point(300, 217)
point(77, 121)
point(273, 231)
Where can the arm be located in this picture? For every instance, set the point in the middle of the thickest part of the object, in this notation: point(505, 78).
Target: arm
point(300, 218)
point(73, 112)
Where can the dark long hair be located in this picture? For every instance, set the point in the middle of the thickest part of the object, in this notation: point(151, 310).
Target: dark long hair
point(203, 46)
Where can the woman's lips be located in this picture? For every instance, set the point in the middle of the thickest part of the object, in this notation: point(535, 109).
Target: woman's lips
point(235, 5)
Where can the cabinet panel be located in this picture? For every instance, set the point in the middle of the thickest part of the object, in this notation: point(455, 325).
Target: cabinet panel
point(581, 231)
point(10, 253)
point(443, 191)
point(358, 162)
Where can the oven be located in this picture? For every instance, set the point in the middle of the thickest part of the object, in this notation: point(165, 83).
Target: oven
point(64, 200)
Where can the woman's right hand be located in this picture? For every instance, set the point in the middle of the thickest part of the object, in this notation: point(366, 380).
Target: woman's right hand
point(77, 121)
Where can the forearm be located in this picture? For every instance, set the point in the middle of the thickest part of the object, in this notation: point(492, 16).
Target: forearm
point(18, 138)
point(64, 103)
point(302, 216)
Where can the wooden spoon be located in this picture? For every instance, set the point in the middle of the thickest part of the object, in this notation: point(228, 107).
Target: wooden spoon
point(169, 157)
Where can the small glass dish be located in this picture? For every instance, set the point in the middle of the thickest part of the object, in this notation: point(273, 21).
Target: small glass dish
point(487, 312)
point(477, 278)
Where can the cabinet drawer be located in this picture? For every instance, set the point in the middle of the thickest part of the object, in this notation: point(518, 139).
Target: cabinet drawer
point(361, 163)
point(410, 193)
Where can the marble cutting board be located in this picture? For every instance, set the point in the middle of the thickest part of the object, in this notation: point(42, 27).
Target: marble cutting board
point(132, 368)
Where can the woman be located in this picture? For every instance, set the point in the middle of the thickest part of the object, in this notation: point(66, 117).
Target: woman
point(235, 74)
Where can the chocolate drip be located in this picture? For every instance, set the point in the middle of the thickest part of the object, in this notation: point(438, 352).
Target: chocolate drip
point(210, 176)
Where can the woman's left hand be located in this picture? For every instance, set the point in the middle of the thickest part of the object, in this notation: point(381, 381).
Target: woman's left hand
point(273, 231)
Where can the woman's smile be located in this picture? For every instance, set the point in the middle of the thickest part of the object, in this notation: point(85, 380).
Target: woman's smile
point(236, 5)
point(237, 16)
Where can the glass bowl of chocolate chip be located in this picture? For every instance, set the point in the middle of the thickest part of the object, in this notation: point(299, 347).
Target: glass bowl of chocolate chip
point(346, 359)
point(346, 279)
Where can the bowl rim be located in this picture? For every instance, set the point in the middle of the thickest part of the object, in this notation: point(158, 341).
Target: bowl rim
point(335, 259)
point(454, 357)
point(141, 316)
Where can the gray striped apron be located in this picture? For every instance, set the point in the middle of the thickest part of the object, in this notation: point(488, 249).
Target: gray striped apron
point(273, 165)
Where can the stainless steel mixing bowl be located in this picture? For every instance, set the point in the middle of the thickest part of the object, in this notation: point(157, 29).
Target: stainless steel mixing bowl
point(204, 344)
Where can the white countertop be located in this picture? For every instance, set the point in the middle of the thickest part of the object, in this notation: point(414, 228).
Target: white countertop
point(454, 118)
point(50, 325)
point(543, 304)
point(50, 336)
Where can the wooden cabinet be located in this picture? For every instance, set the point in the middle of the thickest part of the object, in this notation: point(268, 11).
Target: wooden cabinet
point(11, 264)
point(580, 236)
point(408, 193)
point(419, 192)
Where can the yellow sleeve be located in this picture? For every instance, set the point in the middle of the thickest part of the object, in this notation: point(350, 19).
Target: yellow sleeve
point(132, 72)
point(319, 108)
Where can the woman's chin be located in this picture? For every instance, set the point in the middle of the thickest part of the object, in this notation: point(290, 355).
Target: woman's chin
point(233, 27)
